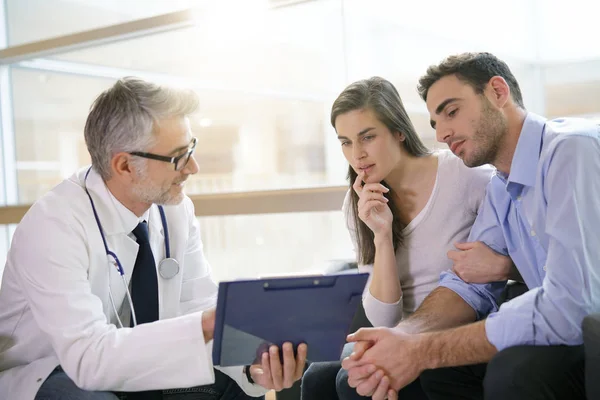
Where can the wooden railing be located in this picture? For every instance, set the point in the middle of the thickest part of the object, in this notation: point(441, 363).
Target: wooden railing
point(247, 203)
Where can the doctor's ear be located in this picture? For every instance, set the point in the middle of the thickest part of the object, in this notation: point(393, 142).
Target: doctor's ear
point(121, 166)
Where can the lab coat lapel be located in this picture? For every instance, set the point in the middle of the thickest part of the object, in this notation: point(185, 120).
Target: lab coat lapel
point(155, 230)
point(118, 241)
point(157, 242)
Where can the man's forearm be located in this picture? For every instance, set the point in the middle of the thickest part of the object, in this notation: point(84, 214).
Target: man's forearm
point(465, 345)
point(442, 309)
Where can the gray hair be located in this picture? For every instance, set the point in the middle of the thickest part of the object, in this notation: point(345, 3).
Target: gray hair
point(124, 117)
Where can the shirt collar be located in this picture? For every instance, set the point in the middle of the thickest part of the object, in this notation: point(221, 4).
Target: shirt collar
point(527, 154)
point(130, 220)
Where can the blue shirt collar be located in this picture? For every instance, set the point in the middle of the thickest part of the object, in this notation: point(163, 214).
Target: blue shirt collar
point(527, 154)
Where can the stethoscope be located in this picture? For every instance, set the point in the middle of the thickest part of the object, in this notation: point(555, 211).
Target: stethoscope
point(167, 268)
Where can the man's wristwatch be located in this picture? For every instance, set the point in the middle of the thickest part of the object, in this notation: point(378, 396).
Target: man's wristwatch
point(248, 375)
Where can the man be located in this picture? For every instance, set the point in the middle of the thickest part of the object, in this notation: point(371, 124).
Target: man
point(541, 210)
point(118, 245)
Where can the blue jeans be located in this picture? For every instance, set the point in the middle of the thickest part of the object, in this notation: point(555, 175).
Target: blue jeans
point(59, 386)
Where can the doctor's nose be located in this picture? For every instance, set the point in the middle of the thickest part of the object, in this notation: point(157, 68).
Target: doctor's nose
point(191, 167)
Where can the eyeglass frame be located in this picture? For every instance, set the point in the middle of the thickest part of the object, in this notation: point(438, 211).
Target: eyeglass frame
point(172, 160)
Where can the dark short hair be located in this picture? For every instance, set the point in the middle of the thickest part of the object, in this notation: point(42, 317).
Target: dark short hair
point(475, 69)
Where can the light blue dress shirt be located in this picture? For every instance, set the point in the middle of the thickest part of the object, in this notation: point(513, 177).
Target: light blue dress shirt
point(546, 216)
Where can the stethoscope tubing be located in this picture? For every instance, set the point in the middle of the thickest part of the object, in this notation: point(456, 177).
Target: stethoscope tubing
point(117, 262)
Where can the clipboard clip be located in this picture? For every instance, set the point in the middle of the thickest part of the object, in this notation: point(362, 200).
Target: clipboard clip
point(303, 283)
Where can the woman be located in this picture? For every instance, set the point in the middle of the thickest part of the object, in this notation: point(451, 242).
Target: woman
point(406, 208)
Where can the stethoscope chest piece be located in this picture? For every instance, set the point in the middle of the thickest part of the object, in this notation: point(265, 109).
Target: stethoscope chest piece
point(168, 268)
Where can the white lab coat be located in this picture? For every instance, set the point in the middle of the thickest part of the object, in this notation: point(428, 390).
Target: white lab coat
point(55, 307)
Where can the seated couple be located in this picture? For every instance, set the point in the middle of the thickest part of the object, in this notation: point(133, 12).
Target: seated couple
point(417, 216)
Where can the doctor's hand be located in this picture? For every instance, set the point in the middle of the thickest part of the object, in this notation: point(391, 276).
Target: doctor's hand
point(270, 374)
point(386, 360)
point(373, 207)
point(475, 262)
point(208, 324)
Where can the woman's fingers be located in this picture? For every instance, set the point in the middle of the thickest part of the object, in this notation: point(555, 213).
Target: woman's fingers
point(369, 207)
point(358, 185)
point(362, 188)
point(374, 187)
point(366, 197)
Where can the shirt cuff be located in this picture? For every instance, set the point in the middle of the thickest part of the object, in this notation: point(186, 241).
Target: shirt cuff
point(512, 325)
point(481, 297)
point(238, 375)
point(380, 313)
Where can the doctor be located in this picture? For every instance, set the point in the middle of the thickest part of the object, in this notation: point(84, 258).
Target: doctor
point(106, 292)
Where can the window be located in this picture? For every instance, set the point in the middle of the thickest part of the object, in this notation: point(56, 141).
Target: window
point(267, 72)
point(247, 246)
point(33, 20)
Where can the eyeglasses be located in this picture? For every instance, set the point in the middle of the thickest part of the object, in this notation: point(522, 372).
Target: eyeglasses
point(180, 161)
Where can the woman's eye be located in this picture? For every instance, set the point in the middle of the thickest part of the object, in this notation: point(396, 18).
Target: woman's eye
point(453, 112)
point(369, 137)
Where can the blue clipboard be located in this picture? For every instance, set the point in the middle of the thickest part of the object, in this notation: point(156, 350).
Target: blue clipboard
point(316, 310)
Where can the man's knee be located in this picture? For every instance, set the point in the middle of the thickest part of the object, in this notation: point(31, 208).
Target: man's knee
point(506, 372)
point(454, 382)
point(310, 379)
point(343, 389)
point(528, 371)
point(435, 381)
point(513, 368)
point(319, 380)
point(431, 377)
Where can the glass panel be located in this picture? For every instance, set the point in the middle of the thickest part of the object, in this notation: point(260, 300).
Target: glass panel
point(405, 37)
point(50, 111)
point(6, 234)
point(573, 89)
point(246, 142)
point(257, 245)
point(247, 246)
point(399, 40)
point(266, 94)
point(33, 20)
point(265, 99)
point(568, 31)
point(292, 52)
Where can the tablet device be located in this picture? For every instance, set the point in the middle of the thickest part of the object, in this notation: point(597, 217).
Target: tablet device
point(317, 310)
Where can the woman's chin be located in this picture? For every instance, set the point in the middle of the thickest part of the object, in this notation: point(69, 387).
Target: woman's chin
point(372, 179)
